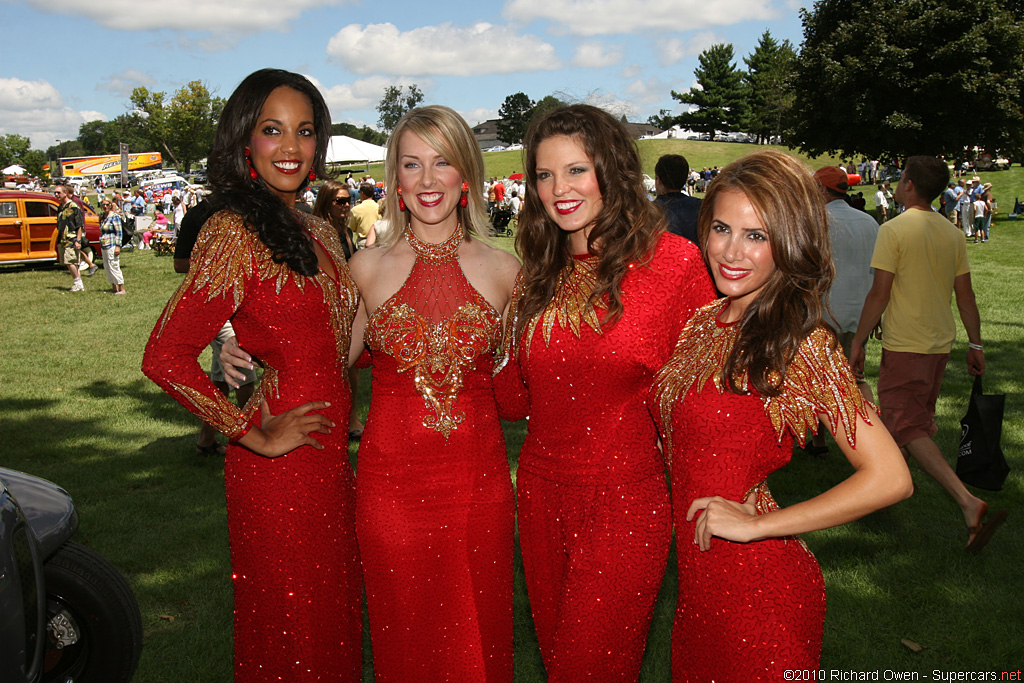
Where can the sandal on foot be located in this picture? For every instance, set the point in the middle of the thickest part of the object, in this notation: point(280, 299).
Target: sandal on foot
point(982, 533)
point(211, 450)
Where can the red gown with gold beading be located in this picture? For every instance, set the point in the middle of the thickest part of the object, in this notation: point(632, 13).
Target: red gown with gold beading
point(746, 611)
point(291, 520)
point(434, 508)
point(594, 513)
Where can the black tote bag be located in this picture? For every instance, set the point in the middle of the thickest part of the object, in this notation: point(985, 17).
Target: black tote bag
point(981, 462)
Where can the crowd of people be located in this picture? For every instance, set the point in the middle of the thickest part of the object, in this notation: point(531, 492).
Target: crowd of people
point(700, 335)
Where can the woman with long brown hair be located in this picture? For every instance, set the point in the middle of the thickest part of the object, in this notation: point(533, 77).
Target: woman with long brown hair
point(603, 295)
point(751, 372)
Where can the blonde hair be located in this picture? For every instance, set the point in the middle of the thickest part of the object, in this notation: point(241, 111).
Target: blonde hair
point(448, 135)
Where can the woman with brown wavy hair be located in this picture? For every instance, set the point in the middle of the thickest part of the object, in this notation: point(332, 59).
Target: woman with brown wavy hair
point(751, 372)
point(603, 295)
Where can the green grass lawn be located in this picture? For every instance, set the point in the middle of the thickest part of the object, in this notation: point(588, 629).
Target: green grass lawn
point(74, 408)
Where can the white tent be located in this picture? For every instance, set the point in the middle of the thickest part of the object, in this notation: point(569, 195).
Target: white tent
point(344, 150)
point(14, 170)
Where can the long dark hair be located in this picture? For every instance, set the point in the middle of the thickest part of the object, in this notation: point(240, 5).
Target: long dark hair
point(789, 202)
point(626, 230)
point(274, 222)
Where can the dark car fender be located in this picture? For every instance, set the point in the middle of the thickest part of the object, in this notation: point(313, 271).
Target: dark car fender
point(48, 509)
point(36, 518)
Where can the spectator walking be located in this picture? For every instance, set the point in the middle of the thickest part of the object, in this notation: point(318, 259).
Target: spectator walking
point(110, 243)
point(920, 262)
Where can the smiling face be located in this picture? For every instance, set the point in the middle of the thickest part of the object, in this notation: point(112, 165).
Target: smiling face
point(568, 188)
point(431, 187)
point(738, 251)
point(283, 143)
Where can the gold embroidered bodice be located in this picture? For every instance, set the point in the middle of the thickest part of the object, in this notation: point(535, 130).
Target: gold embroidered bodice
point(436, 325)
point(817, 382)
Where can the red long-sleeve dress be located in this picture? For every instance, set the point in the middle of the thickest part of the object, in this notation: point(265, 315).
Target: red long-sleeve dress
point(291, 520)
point(435, 513)
point(594, 518)
point(746, 611)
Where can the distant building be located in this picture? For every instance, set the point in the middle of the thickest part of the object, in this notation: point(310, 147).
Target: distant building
point(486, 134)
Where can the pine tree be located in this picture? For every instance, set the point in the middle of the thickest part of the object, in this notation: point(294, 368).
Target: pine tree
point(721, 99)
point(769, 86)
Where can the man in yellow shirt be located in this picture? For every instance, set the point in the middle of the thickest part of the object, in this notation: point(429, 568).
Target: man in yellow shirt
point(364, 214)
point(920, 262)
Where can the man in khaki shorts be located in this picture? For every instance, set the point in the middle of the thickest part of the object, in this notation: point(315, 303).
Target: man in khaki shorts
point(70, 234)
point(920, 262)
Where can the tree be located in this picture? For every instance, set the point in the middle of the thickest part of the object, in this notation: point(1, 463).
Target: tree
point(182, 129)
point(769, 86)
point(395, 103)
point(13, 149)
point(148, 108)
point(546, 104)
point(721, 99)
point(664, 119)
point(191, 123)
point(891, 78)
point(93, 136)
point(514, 117)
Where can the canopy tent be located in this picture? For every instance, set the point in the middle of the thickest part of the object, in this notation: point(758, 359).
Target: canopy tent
point(345, 150)
point(14, 170)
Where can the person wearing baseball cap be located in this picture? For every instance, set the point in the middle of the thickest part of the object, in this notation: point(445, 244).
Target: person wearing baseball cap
point(852, 234)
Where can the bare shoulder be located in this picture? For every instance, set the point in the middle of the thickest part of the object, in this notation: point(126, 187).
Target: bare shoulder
point(499, 261)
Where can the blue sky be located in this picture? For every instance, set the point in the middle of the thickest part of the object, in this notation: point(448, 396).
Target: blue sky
point(77, 60)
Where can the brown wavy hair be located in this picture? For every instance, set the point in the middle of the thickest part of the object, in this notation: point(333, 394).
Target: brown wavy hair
point(790, 305)
point(625, 232)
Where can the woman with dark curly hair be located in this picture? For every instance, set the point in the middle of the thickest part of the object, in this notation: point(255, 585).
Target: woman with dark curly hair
point(751, 372)
point(603, 295)
point(281, 278)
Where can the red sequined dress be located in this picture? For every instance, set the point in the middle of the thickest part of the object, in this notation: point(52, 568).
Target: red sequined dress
point(291, 520)
point(435, 511)
point(594, 513)
point(746, 611)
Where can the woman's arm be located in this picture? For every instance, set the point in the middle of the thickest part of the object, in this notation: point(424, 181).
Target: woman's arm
point(881, 478)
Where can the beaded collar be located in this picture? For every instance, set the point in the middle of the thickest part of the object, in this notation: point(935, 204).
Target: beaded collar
point(435, 252)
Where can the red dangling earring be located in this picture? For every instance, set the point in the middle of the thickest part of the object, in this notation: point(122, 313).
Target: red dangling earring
point(312, 175)
point(252, 171)
point(464, 200)
point(401, 202)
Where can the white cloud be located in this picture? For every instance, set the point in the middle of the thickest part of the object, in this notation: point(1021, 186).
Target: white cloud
point(36, 109)
point(445, 49)
point(478, 115)
point(596, 55)
point(185, 15)
point(647, 91)
point(124, 82)
point(610, 17)
point(670, 51)
point(359, 95)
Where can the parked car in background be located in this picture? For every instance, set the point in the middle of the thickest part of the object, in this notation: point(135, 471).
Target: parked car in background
point(28, 227)
point(67, 614)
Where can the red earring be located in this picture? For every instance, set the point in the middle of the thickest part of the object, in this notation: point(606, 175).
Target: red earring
point(464, 200)
point(252, 171)
point(401, 202)
point(312, 175)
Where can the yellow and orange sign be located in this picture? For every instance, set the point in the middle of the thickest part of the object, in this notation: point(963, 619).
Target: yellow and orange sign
point(108, 163)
